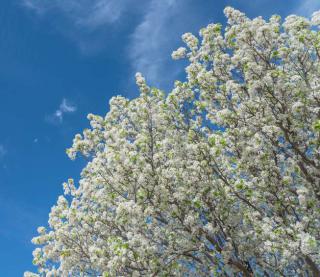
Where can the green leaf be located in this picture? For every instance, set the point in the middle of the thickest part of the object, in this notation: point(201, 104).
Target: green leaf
point(316, 126)
point(212, 141)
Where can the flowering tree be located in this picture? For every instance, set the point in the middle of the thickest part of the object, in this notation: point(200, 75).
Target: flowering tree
point(219, 177)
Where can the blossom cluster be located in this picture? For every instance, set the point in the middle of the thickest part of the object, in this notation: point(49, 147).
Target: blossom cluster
point(218, 177)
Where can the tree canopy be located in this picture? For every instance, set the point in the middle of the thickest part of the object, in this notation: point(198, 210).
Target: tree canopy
point(219, 177)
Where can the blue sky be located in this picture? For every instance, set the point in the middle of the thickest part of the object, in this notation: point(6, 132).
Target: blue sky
point(60, 60)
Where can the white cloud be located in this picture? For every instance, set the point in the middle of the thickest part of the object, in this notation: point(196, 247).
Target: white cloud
point(58, 115)
point(83, 13)
point(66, 107)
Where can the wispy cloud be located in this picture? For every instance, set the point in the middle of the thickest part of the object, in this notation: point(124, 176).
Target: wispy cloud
point(157, 36)
point(87, 23)
point(150, 44)
point(3, 151)
point(84, 13)
point(307, 7)
point(58, 115)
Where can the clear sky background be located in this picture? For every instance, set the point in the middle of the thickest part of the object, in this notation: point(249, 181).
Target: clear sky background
point(60, 60)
